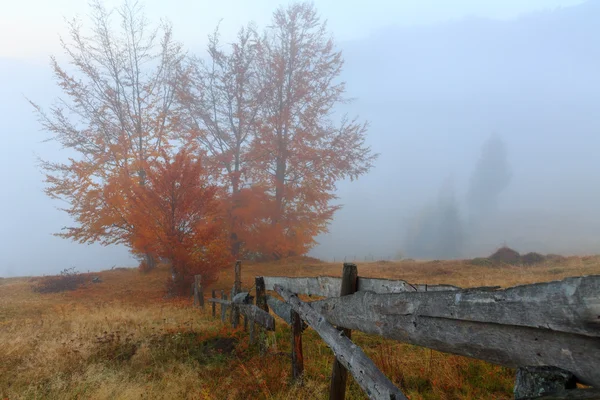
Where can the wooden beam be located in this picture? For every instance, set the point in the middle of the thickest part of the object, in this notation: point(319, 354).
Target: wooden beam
point(328, 286)
point(571, 305)
point(339, 374)
point(553, 323)
point(375, 384)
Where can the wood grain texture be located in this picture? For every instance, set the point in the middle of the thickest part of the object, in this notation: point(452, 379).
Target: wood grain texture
point(375, 384)
point(551, 323)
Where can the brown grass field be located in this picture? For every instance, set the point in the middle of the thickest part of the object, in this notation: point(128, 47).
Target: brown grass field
point(121, 339)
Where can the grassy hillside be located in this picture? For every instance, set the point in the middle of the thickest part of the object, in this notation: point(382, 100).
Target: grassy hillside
point(121, 339)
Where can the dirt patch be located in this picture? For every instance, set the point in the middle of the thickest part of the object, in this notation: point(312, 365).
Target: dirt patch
point(220, 345)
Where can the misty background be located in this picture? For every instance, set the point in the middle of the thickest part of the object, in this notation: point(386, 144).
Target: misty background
point(485, 115)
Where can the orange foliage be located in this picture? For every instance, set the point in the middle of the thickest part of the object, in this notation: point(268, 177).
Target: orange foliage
point(176, 215)
point(262, 111)
point(259, 113)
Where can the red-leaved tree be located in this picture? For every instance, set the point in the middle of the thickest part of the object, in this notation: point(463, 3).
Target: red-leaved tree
point(177, 215)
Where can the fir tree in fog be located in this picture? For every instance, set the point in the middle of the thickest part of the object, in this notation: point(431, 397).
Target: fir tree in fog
point(490, 178)
point(437, 232)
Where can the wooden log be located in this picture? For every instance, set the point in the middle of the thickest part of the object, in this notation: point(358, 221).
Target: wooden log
point(571, 305)
point(214, 305)
point(223, 307)
point(327, 286)
point(375, 384)
point(261, 302)
point(553, 323)
point(297, 356)
point(339, 374)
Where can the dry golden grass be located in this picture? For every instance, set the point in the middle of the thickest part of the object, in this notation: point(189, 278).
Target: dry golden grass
point(121, 339)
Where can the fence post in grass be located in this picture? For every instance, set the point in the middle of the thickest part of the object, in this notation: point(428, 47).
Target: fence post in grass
point(223, 307)
point(339, 374)
point(237, 288)
point(261, 302)
point(297, 357)
point(214, 305)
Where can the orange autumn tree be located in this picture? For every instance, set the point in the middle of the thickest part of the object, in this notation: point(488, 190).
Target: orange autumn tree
point(220, 100)
point(177, 215)
point(262, 108)
point(113, 117)
point(299, 152)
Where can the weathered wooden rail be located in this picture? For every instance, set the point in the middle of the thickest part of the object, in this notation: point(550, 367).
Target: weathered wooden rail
point(552, 329)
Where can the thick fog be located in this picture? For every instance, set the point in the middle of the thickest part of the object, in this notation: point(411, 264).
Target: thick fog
point(485, 117)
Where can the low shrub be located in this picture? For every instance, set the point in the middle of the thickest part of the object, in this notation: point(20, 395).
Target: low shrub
point(68, 279)
point(532, 258)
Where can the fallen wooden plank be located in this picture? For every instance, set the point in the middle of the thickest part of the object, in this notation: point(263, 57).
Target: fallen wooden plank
point(553, 323)
point(257, 316)
point(328, 286)
point(375, 384)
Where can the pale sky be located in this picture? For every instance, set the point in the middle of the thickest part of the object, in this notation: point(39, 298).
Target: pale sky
point(29, 29)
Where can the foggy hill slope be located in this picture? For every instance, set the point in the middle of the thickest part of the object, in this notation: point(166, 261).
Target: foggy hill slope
point(433, 95)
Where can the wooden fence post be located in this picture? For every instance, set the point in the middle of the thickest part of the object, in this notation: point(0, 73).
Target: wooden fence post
point(214, 305)
point(339, 374)
point(297, 357)
point(223, 307)
point(198, 291)
point(261, 302)
point(237, 288)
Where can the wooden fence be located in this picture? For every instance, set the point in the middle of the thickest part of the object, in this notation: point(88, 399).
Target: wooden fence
point(549, 331)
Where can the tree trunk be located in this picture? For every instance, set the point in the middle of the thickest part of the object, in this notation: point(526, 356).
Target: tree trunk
point(150, 261)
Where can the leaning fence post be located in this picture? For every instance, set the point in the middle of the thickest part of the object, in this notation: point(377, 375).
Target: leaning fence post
point(214, 305)
point(237, 288)
point(223, 307)
point(339, 374)
point(297, 357)
point(261, 302)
